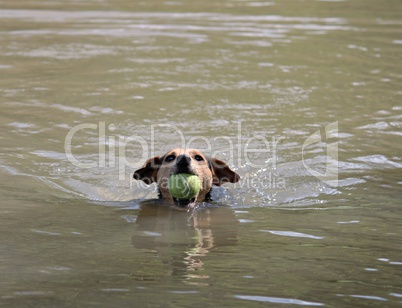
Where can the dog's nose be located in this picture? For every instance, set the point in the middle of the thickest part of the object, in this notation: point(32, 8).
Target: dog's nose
point(183, 160)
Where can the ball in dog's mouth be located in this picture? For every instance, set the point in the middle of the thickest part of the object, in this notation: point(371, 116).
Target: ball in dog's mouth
point(184, 187)
point(183, 203)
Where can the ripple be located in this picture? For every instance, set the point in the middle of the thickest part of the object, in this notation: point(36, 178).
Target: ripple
point(46, 232)
point(184, 292)
point(378, 161)
point(293, 234)
point(378, 125)
point(21, 125)
point(348, 222)
point(71, 109)
point(49, 154)
point(116, 290)
point(246, 220)
point(377, 298)
point(34, 293)
point(278, 300)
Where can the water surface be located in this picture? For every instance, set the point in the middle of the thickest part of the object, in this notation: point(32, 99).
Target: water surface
point(282, 91)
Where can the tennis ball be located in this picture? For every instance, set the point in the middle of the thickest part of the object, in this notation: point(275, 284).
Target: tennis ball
point(184, 186)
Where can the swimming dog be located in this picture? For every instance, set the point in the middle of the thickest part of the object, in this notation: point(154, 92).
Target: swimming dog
point(211, 171)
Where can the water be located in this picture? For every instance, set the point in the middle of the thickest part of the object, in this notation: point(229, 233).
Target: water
point(302, 99)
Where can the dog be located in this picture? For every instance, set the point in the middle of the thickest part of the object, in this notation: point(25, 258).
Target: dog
point(211, 171)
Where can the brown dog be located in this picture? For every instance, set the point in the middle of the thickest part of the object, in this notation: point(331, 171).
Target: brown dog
point(211, 171)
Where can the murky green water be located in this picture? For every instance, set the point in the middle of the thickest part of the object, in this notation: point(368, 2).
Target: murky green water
point(301, 98)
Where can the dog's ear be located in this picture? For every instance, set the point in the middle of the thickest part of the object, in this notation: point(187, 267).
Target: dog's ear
point(149, 171)
point(222, 173)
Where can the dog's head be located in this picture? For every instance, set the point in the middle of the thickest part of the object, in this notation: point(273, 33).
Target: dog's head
point(211, 171)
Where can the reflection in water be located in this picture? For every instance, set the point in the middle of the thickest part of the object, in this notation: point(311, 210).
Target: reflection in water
point(181, 239)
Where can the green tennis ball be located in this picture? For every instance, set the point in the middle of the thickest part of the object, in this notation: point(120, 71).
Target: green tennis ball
point(184, 186)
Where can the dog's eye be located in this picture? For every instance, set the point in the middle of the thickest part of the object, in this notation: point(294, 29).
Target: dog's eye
point(198, 158)
point(170, 158)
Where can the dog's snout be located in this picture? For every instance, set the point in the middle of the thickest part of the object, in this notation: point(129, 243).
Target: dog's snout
point(183, 163)
point(183, 160)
